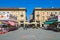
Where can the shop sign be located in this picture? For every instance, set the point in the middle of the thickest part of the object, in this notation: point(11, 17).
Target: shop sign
point(4, 16)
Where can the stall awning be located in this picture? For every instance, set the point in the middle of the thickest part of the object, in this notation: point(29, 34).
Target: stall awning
point(11, 23)
point(58, 21)
point(48, 22)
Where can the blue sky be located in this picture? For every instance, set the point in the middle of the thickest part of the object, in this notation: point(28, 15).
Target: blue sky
point(30, 4)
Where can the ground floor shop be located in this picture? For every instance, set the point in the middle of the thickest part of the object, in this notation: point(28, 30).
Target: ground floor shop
point(7, 25)
point(30, 25)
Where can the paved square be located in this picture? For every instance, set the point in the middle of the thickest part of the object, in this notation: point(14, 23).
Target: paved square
point(31, 34)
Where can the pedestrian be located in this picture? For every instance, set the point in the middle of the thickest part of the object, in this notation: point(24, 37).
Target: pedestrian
point(26, 27)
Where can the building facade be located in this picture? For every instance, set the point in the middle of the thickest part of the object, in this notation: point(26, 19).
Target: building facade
point(41, 15)
point(31, 16)
point(20, 13)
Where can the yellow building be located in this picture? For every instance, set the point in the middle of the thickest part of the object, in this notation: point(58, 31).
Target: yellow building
point(19, 12)
point(42, 14)
point(31, 16)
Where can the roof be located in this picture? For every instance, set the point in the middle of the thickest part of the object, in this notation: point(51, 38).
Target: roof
point(47, 9)
point(8, 9)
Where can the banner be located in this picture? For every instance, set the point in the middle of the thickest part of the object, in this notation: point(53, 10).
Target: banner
point(58, 17)
point(4, 16)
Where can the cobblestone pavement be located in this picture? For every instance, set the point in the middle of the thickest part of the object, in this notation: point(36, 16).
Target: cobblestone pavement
point(31, 34)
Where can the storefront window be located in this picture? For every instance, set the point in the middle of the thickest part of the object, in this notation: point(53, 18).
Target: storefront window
point(59, 25)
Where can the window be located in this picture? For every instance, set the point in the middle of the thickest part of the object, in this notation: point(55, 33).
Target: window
point(59, 13)
point(21, 12)
point(22, 18)
point(37, 15)
point(21, 15)
point(51, 12)
point(21, 21)
point(47, 16)
point(7, 12)
point(43, 13)
point(55, 12)
point(3, 12)
point(38, 21)
point(43, 17)
point(13, 17)
point(48, 13)
point(38, 12)
point(59, 24)
point(7, 15)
